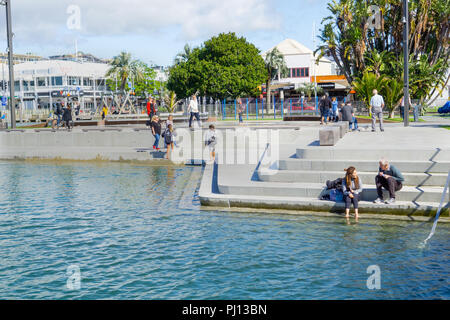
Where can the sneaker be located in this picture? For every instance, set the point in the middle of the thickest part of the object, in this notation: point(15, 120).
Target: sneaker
point(154, 148)
point(382, 130)
point(373, 130)
point(378, 200)
point(390, 201)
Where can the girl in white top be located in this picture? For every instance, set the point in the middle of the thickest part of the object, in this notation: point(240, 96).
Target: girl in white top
point(211, 141)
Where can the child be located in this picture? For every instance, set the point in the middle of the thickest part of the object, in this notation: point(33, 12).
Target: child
point(211, 141)
point(169, 137)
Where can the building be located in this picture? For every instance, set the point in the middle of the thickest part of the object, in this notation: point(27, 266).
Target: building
point(303, 69)
point(39, 84)
point(20, 58)
point(79, 57)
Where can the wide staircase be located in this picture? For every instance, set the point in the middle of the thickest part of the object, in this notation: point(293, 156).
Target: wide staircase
point(298, 182)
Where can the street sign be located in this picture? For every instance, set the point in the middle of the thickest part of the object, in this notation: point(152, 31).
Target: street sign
point(4, 101)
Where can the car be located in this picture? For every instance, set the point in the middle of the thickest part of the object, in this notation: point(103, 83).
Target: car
point(445, 108)
point(297, 106)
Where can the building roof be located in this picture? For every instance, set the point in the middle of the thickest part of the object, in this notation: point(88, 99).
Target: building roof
point(293, 47)
point(26, 70)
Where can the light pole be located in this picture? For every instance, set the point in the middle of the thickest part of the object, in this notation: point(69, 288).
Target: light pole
point(405, 63)
point(12, 104)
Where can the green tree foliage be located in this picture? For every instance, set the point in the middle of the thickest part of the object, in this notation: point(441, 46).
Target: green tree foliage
point(356, 47)
point(276, 67)
point(365, 85)
point(224, 66)
point(124, 69)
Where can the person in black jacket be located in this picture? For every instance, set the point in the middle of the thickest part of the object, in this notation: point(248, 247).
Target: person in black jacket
point(324, 107)
point(67, 116)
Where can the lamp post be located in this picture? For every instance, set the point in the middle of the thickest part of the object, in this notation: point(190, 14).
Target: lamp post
point(12, 105)
point(405, 63)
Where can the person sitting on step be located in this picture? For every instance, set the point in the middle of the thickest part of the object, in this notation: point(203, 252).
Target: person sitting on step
point(390, 178)
point(351, 187)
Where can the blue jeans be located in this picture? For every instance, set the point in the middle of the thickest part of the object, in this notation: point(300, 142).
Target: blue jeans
point(156, 144)
point(355, 123)
point(240, 117)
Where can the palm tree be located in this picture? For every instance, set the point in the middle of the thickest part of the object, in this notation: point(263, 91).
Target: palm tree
point(392, 92)
point(124, 68)
point(171, 101)
point(276, 67)
point(365, 85)
point(183, 56)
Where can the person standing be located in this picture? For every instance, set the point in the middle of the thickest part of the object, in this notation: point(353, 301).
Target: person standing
point(334, 110)
point(401, 102)
point(348, 114)
point(240, 110)
point(211, 141)
point(390, 178)
point(324, 107)
point(151, 111)
point(104, 112)
point(156, 131)
point(351, 187)
point(377, 105)
point(59, 112)
point(67, 117)
point(169, 139)
point(193, 110)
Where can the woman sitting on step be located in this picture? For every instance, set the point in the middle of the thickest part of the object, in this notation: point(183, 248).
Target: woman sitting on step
point(351, 187)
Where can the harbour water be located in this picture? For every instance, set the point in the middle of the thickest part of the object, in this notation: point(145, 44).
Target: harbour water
point(137, 232)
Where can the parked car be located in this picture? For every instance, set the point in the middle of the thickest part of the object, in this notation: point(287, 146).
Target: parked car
point(307, 106)
point(445, 108)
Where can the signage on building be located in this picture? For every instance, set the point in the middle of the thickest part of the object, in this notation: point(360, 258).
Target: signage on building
point(327, 85)
point(66, 93)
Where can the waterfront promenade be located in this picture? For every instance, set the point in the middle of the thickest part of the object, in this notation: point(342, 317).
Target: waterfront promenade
point(265, 165)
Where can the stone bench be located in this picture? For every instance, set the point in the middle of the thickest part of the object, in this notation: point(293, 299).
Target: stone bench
point(343, 127)
point(329, 136)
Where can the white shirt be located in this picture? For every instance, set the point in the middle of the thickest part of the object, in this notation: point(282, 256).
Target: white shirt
point(377, 101)
point(193, 106)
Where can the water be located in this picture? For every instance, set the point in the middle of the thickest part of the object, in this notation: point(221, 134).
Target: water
point(137, 232)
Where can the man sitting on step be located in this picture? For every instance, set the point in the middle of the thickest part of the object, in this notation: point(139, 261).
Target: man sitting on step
point(390, 178)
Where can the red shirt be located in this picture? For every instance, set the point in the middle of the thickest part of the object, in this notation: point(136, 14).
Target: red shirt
point(150, 108)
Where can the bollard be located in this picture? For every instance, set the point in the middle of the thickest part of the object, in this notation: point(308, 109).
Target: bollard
point(257, 111)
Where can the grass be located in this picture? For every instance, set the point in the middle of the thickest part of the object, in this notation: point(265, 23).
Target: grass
point(411, 119)
point(446, 127)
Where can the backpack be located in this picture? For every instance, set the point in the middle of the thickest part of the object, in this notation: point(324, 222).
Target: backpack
point(336, 195)
point(335, 184)
point(167, 135)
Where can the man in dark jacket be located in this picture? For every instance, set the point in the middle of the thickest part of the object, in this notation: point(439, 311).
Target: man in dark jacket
point(390, 178)
point(324, 107)
point(67, 116)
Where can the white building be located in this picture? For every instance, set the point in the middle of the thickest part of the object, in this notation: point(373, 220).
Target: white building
point(303, 68)
point(47, 81)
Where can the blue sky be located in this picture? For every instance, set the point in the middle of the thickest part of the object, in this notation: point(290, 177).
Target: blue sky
point(155, 31)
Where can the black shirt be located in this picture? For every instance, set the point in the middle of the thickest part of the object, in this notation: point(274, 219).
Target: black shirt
point(156, 126)
point(325, 104)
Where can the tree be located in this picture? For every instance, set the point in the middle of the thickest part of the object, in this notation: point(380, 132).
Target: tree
point(392, 92)
point(171, 102)
point(357, 47)
point(276, 67)
point(184, 55)
point(124, 69)
point(309, 89)
point(224, 66)
point(365, 85)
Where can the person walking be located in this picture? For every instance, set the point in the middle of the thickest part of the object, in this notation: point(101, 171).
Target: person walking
point(211, 141)
point(351, 187)
point(67, 117)
point(377, 105)
point(58, 112)
point(390, 178)
point(156, 131)
point(324, 107)
point(193, 110)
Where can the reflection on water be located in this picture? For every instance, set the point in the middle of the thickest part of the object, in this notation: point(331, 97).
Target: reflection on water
point(136, 232)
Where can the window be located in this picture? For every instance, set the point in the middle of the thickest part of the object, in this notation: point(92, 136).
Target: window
point(40, 82)
point(299, 72)
point(56, 81)
point(73, 81)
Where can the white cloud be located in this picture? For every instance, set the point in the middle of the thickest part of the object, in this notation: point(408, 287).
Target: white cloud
point(45, 21)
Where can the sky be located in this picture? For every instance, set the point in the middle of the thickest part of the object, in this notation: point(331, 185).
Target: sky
point(154, 31)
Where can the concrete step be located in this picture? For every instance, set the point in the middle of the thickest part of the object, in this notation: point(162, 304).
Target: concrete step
point(411, 179)
point(314, 190)
point(362, 165)
point(328, 153)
